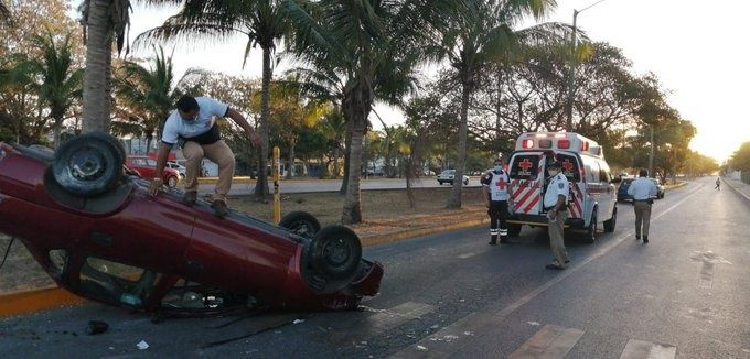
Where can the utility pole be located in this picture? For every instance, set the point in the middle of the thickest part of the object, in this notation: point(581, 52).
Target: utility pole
point(572, 72)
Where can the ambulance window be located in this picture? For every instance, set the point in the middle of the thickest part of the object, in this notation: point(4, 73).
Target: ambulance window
point(524, 166)
point(604, 172)
point(570, 167)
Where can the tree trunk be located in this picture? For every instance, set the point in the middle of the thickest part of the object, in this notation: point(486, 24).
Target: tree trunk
point(357, 105)
point(463, 136)
point(499, 106)
point(57, 130)
point(290, 163)
point(347, 157)
point(96, 94)
point(261, 185)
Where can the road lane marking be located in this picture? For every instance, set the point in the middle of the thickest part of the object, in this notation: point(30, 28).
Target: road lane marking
point(494, 315)
point(642, 349)
point(550, 342)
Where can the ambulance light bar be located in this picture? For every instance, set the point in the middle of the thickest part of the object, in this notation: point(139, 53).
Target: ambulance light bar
point(545, 144)
point(563, 144)
point(528, 144)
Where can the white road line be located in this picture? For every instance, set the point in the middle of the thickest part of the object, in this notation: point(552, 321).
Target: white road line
point(550, 342)
point(642, 349)
point(492, 316)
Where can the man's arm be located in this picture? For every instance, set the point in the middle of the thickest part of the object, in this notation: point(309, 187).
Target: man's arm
point(242, 122)
point(631, 189)
point(161, 160)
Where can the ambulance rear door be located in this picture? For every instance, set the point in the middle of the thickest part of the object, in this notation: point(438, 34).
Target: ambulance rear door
point(527, 179)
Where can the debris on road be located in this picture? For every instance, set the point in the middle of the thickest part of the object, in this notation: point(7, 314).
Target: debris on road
point(298, 321)
point(142, 345)
point(468, 333)
point(422, 348)
point(96, 327)
point(533, 324)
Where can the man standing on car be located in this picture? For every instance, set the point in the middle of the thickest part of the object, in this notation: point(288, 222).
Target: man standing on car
point(643, 191)
point(194, 124)
point(496, 193)
point(556, 205)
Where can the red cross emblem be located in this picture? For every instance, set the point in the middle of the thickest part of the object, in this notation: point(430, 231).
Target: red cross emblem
point(501, 183)
point(525, 165)
point(568, 166)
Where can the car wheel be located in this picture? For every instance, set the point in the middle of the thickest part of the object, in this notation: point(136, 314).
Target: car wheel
point(514, 230)
point(172, 181)
point(300, 223)
point(609, 225)
point(336, 252)
point(88, 165)
point(466, 182)
point(593, 229)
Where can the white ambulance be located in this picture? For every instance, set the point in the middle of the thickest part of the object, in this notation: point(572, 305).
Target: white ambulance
point(592, 200)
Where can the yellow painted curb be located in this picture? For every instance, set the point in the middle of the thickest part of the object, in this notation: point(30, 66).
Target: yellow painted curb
point(36, 300)
point(48, 298)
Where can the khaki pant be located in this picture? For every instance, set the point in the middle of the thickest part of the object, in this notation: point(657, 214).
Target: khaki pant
point(218, 152)
point(556, 232)
point(642, 218)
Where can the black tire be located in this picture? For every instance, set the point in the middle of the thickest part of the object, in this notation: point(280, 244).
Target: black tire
point(514, 230)
point(88, 165)
point(300, 223)
point(336, 252)
point(592, 230)
point(609, 225)
point(466, 183)
point(172, 181)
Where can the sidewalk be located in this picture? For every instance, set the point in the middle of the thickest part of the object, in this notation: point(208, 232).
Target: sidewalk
point(743, 189)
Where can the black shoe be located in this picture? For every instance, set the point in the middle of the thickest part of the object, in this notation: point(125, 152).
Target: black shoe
point(553, 266)
point(645, 239)
point(493, 241)
point(220, 208)
point(189, 198)
point(567, 261)
point(637, 238)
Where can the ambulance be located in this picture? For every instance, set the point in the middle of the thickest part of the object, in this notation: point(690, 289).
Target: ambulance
point(592, 200)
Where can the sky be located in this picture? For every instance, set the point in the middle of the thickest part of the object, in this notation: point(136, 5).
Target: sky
point(696, 48)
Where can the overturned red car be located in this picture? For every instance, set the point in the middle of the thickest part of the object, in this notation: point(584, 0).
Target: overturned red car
point(98, 234)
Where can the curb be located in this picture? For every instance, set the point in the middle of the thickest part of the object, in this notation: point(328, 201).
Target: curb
point(38, 300)
point(746, 197)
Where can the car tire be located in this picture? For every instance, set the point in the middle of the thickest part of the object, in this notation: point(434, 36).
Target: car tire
point(466, 183)
point(514, 230)
point(336, 252)
point(172, 181)
point(300, 223)
point(609, 225)
point(593, 228)
point(88, 165)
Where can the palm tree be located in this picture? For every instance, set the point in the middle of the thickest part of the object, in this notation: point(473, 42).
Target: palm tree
point(371, 45)
point(149, 91)
point(261, 21)
point(474, 38)
point(60, 82)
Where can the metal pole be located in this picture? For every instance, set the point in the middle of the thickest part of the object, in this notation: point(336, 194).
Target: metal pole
point(651, 157)
point(276, 178)
point(572, 72)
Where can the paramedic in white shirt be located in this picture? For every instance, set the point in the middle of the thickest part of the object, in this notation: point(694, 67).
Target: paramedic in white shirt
point(496, 192)
point(643, 191)
point(556, 205)
point(194, 124)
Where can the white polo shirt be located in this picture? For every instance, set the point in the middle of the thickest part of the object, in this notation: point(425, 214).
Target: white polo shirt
point(558, 186)
point(176, 127)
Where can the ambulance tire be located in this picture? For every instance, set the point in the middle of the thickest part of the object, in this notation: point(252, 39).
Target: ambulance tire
point(591, 231)
point(514, 230)
point(609, 225)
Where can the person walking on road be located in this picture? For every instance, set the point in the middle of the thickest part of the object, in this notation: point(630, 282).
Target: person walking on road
point(718, 183)
point(643, 191)
point(194, 124)
point(495, 190)
point(556, 205)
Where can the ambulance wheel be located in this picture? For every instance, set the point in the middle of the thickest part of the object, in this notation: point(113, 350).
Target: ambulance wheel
point(593, 228)
point(609, 225)
point(514, 230)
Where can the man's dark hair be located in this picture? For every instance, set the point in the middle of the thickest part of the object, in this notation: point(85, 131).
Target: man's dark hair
point(644, 173)
point(187, 104)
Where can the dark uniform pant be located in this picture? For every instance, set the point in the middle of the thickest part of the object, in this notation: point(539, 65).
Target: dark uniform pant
point(498, 212)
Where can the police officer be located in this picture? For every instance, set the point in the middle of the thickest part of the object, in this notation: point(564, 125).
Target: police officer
point(495, 190)
point(643, 191)
point(556, 205)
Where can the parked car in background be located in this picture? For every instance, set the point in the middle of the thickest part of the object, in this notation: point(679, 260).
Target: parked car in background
point(147, 169)
point(447, 177)
point(659, 187)
point(178, 167)
point(622, 192)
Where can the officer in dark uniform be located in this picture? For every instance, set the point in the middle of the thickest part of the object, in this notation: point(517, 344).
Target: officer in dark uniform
point(496, 192)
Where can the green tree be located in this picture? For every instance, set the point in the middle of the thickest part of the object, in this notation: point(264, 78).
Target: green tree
point(472, 39)
point(740, 159)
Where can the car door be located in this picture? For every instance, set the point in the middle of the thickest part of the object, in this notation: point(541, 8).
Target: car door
point(527, 172)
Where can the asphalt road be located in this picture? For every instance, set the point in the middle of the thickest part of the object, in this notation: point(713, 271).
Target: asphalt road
point(332, 185)
point(686, 294)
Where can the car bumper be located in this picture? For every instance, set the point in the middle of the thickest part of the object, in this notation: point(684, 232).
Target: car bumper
point(541, 221)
